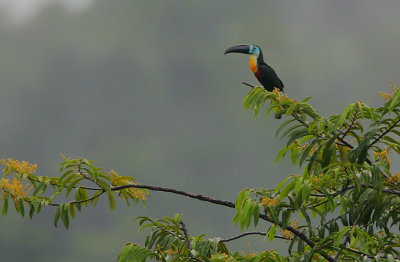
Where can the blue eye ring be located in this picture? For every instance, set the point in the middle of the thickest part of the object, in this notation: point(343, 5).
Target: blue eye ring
point(251, 49)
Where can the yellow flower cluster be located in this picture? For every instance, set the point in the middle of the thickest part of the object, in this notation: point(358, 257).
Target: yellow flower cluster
point(222, 256)
point(117, 180)
point(387, 95)
point(394, 179)
point(167, 252)
point(303, 147)
point(383, 155)
point(171, 252)
point(279, 96)
point(14, 188)
point(21, 167)
point(269, 202)
point(318, 179)
point(294, 176)
point(286, 233)
point(249, 255)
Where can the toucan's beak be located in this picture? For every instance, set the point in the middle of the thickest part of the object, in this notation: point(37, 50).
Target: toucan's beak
point(244, 49)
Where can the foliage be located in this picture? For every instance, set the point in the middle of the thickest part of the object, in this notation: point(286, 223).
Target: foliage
point(79, 175)
point(344, 206)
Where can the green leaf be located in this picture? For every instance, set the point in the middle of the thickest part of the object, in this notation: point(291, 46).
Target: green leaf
point(31, 211)
point(245, 215)
point(39, 189)
point(21, 206)
point(68, 179)
point(291, 108)
point(294, 154)
point(282, 126)
point(300, 246)
point(57, 216)
point(343, 219)
point(285, 217)
point(65, 215)
point(391, 140)
point(307, 151)
point(303, 212)
point(274, 215)
point(72, 185)
point(306, 99)
point(313, 158)
point(291, 129)
point(111, 200)
point(243, 195)
point(339, 236)
point(363, 152)
point(282, 183)
point(249, 98)
point(393, 101)
point(65, 174)
point(125, 253)
point(329, 149)
point(292, 242)
point(281, 154)
point(259, 102)
point(4, 208)
point(296, 135)
point(256, 214)
point(287, 189)
point(72, 211)
point(343, 116)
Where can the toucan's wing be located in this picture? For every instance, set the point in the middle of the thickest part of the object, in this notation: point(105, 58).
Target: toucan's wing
point(268, 78)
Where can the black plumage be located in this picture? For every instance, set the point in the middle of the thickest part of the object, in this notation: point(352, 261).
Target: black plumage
point(268, 77)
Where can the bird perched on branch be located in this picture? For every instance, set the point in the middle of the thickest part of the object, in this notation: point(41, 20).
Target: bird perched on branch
point(263, 72)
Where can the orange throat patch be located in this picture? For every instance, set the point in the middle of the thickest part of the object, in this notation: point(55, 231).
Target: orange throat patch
point(253, 64)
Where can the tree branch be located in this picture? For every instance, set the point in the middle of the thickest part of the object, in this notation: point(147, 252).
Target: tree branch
point(215, 201)
point(179, 192)
point(247, 84)
point(344, 133)
point(187, 241)
point(248, 234)
point(83, 200)
point(222, 203)
point(384, 133)
point(186, 234)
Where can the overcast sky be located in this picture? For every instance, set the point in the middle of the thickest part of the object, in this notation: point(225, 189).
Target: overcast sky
point(18, 12)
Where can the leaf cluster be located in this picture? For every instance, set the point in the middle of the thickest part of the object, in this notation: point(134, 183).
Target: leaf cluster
point(343, 206)
point(347, 196)
point(79, 176)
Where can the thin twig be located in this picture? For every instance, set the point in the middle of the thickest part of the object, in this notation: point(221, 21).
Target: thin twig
point(384, 133)
point(248, 234)
point(353, 120)
point(247, 84)
point(83, 200)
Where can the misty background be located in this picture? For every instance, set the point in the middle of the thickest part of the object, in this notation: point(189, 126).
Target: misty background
point(143, 87)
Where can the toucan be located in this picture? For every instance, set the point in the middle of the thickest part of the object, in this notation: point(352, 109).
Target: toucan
point(263, 72)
